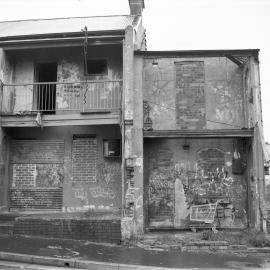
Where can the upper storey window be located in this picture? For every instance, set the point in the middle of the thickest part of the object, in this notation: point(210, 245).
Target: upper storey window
point(97, 67)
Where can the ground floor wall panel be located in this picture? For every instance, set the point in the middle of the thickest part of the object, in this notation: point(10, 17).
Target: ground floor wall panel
point(184, 178)
point(63, 168)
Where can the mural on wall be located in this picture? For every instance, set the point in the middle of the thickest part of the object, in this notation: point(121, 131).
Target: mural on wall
point(177, 185)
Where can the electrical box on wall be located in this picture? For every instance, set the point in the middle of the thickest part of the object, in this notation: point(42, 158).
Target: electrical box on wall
point(112, 148)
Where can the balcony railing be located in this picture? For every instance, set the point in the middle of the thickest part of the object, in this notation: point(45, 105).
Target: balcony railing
point(51, 97)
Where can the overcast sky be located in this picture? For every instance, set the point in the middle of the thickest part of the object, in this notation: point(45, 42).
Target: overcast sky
point(176, 25)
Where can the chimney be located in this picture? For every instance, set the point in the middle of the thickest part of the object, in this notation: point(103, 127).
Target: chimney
point(136, 7)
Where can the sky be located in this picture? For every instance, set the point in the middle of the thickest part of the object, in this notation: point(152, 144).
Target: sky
point(176, 25)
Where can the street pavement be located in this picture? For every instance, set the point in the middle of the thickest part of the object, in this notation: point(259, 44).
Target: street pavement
point(8, 265)
point(106, 254)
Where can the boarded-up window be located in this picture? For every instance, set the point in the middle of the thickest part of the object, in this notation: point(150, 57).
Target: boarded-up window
point(84, 159)
point(190, 98)
point(37, 174)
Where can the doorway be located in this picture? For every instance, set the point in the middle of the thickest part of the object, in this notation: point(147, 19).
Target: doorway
point(46, 76)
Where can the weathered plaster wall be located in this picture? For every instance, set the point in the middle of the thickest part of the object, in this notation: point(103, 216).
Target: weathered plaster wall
point(206, 171)
point(23, 95)
point(103, 192)
point(70, 69)
point(6, 76)
point(4, 67)
point(213, 90)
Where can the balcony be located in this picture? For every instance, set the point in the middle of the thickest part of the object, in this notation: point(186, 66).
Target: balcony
point(61, 100)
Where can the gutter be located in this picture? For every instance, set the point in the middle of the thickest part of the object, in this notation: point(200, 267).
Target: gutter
point(73, 38)
point(199, 53)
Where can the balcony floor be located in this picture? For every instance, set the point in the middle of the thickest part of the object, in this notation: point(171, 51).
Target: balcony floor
point(93, 118)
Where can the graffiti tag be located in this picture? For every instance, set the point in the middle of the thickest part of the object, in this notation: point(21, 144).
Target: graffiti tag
point(102, 192)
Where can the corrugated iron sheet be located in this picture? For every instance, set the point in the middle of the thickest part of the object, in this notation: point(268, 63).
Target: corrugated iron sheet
point(64, 25)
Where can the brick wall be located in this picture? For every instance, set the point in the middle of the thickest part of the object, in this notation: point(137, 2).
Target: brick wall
point(190, 99)
point(37, 174)
point(24, 175)
point(84, 159)
point(83, 229)
point(37, 151)
point(211, 159)
point(35, 198)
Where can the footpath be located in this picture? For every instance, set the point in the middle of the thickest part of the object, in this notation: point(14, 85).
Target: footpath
point(88, 255)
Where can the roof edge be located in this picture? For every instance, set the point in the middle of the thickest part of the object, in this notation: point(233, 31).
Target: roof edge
point(60, 35)
point(64, 18)
point(239, 52)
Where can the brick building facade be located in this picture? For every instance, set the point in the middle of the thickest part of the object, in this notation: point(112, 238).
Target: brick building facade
point(103, 140)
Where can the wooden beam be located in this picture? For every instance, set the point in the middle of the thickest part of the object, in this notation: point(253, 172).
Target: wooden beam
point(62, 120)
point(235, 60)
point(227, 133)
point(198, 53)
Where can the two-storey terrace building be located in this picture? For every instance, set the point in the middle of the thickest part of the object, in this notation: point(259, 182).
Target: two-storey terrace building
point(103, 140)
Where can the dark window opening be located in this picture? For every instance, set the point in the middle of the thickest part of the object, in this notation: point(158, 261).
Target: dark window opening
point(97, 67)
point(46, 89)
point(112, 148)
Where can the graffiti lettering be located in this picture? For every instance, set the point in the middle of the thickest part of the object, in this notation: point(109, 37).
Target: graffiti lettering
point(80, 193)
point(100, 192)
point(214, 186)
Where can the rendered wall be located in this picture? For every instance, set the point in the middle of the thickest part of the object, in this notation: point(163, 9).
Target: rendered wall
point(4, 71)
point(51, 161)
point(193, 93)
point(181, 173)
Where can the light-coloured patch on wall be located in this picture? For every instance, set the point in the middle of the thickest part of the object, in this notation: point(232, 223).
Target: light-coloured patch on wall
point(102, 192)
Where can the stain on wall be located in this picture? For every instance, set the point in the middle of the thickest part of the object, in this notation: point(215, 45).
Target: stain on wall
point(178, 179)
point(214, 102)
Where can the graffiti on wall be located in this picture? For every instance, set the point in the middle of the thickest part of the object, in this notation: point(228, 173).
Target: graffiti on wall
point(49, 175)
point(176, 186)
point(102, 192)
point(161, 194)
point(109, 172)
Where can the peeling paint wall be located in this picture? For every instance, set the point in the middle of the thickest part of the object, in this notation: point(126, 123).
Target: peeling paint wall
point(54, 167)
point(70, 69)
point(6, 76)
point(177, 179)
point(206, 93)
point(4, 142)
point(23, 95)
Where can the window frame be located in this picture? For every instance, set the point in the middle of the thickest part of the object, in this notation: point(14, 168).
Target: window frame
point(104, 74)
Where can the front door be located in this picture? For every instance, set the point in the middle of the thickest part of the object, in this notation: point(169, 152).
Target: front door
point(46, 76)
